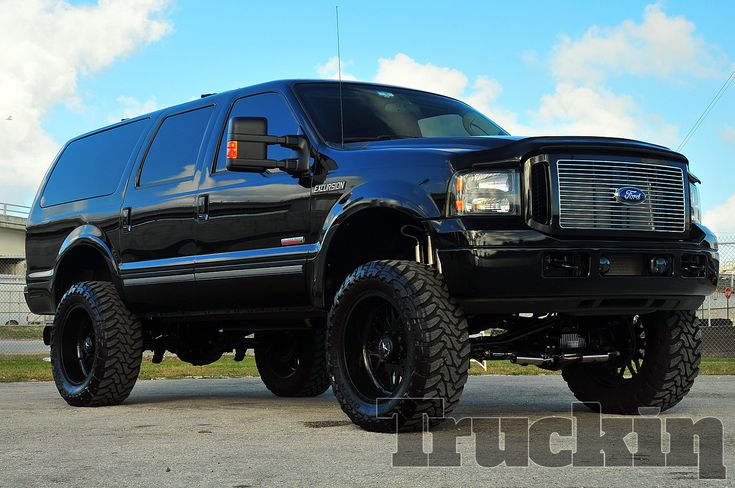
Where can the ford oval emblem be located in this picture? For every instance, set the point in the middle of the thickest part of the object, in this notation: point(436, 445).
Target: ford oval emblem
point(630, 195)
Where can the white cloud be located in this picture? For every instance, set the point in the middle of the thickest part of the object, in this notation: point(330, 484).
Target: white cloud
point(403, 70)
point(531, 57)
point(721, 219)
point(660, 46)
point(581, 103)
point(727, 133)
point(596, 110)
point(48, 45)
point(330, 70)
point(131, 107)
point(484, 97)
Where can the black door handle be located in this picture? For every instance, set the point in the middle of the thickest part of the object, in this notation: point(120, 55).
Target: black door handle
point(126, 223)
point(203, 208)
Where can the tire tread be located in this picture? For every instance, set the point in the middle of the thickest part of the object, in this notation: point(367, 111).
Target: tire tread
point(444, 343)
point(119, 358)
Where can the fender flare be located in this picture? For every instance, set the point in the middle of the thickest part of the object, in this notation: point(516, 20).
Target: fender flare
point(408, 198)
point(89, 236)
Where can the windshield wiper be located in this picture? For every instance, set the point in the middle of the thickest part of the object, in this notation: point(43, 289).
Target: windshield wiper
point(382, 137)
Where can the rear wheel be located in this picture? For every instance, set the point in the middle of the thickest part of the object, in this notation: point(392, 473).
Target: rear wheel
point(398, 346)
point(660, 356)
point(293, 363)
point(96, 346)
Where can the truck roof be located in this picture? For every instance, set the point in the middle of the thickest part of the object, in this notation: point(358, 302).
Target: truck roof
point(285, 84)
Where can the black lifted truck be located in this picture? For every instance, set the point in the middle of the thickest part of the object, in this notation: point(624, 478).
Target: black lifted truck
point(370, 237)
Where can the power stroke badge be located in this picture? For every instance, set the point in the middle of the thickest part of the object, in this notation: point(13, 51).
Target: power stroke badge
point(331, 186)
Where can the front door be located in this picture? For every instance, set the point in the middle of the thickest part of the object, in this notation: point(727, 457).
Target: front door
point(253, 227)
point(157, 245)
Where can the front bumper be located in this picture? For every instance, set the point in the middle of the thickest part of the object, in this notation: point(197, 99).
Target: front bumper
point(509, 271)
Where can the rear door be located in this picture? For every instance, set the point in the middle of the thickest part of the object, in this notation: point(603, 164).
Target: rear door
point(157, 245)
point(253, 227)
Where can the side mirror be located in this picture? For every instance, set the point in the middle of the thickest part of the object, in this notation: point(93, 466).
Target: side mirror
point(247, 147)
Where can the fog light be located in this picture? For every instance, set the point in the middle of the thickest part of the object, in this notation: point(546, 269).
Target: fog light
point(604, 265)
point(659, 265)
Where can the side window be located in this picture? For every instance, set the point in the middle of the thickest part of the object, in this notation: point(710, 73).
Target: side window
point(92, 166)
point(173, 153)
point(281, 122)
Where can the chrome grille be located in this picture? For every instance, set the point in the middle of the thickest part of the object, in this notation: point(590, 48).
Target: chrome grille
point(587, 196)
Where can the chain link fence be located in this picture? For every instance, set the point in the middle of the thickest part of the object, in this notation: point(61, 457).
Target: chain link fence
point(20, 330)
point(717, 313)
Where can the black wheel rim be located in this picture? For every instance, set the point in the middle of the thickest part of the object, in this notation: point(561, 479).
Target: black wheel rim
point(78, 346)
point(632, 343)
point(283, 355)
point(376, 352)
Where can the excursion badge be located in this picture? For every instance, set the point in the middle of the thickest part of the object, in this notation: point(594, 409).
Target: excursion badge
point(331, 186)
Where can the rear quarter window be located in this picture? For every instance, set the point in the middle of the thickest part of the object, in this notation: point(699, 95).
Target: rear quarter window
point(92, 166)
point(175, 149)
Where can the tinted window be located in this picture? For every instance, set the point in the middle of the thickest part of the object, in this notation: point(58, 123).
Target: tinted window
point(281, 122)
point(375, 112)
point(173, 153)
point(92, 166)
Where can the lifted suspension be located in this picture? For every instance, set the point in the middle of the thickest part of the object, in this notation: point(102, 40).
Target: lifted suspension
point(551, 342)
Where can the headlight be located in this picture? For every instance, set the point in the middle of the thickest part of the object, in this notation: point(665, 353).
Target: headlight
point(491, 192)
point(694, 207)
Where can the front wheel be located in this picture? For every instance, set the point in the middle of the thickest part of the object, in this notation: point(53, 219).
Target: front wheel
point(659, 360)
point(398, 346)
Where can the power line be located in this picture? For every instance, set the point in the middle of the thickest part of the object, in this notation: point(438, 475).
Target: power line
point(707, 109)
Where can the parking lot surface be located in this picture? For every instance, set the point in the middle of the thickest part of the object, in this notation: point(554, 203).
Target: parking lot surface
point(233, 433)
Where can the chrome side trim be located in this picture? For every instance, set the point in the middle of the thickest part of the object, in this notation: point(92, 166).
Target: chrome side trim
point(248, 273)
point(216, 275)
point(157, 263)
point(220, 258)
point(151, 280)
point(271, 252)
point(37, 275)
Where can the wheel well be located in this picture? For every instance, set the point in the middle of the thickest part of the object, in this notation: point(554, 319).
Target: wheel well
point(83, 263)
point(368, 235)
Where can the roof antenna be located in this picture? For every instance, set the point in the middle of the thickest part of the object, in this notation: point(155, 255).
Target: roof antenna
point(339, 75)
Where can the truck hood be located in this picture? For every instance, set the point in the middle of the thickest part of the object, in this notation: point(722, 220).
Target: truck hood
point(465, 151)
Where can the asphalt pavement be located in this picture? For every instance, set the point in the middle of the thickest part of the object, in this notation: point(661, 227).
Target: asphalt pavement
point(233, 433)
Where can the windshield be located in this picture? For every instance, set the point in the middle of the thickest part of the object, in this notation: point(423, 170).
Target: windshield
point(373, 113)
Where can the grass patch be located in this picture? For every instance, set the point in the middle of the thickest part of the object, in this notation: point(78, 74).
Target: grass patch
point(718, 366)
point(21, 332)
point(32, 367)
point(24, 367)
point(508, 368)
point(172, 369)
point(709, 366)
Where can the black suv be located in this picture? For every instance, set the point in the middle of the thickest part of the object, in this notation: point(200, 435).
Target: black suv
point(372, 237)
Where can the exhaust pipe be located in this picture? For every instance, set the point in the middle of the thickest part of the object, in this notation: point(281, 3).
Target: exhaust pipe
point(532, 360)
point(564, 358)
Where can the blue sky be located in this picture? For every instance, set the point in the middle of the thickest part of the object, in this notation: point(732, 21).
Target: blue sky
point(637, 69)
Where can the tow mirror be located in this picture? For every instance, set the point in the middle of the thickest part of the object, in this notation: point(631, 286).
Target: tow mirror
point(247, 147)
